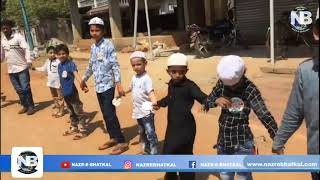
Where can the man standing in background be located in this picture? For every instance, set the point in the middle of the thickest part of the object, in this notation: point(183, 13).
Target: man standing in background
point(16, 51)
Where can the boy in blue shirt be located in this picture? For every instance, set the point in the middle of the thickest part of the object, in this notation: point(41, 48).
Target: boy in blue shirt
point(104, 66)
point(68, 71)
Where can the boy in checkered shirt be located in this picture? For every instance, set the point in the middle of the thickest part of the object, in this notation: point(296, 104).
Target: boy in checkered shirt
point(237, 95)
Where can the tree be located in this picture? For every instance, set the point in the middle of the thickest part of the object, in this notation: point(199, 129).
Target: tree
point(3, 5)
point(36, 10)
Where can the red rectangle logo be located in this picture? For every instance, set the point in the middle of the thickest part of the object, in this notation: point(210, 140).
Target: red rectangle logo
point(65, 164)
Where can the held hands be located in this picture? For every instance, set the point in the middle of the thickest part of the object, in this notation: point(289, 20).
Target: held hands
point(204, 108)
point(84, 86)
point(29, 65)
point(155, 106)
point(223, 102)
point(120, 90)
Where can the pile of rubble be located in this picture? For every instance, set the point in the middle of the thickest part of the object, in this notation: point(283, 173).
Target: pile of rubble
point(158, 49)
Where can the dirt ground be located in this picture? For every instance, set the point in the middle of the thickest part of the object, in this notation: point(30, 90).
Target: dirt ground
point(41, 129)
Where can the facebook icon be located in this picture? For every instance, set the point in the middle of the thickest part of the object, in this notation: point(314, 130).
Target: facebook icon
point(192, 164)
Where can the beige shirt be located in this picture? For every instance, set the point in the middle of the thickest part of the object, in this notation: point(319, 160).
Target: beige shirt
point(16, 51)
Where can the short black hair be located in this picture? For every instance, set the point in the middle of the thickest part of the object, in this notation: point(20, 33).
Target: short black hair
point(62, 47)
point(51, 48)
point(99, 26)
point(8, 22)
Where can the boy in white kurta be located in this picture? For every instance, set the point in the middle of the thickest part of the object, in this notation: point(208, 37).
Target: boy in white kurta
point(51, 68)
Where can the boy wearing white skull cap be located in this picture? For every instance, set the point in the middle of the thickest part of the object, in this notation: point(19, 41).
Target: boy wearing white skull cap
point(143, 97)
point(181, 127)
point(237, 95)
point(103, 64)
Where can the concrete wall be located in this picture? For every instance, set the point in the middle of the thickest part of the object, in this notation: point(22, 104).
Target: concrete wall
point(54, 28)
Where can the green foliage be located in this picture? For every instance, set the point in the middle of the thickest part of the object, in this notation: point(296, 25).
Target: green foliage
point(36, 10)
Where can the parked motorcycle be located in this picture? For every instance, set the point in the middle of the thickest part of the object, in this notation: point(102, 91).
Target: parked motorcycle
point(198, 41)
point(222, 35)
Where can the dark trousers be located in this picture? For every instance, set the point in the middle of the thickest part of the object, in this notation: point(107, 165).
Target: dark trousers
point(315, 176)
point(171, 147)
point(109, 115)
point(21, 83)
point(181, 176)
point(75, 107)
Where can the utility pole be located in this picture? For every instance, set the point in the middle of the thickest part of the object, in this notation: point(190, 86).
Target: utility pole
point(26, 24)
point(272, 32)
point(136, 24)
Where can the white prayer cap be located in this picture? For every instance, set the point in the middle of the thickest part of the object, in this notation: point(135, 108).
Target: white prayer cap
point(177, 59)
point(230, 69)
point(96, 20)
point(138, 54)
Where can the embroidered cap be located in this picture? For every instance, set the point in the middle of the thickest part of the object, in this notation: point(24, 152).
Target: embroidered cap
point(96, 20)
point(177, 59)
point(230, 69)
point(138, 54)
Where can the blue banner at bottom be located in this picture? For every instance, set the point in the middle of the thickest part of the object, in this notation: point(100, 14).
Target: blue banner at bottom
point(174, 163)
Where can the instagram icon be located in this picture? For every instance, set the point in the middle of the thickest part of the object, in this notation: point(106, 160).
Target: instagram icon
point(127, 165)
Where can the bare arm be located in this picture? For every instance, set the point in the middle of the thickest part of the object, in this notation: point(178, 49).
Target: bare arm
point(42, 68)
point(152, 97)
point(79, 80)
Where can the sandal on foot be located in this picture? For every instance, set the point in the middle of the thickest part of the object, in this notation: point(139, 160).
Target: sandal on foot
point(71, 131)
point(108, 144)
point(120, 148)
point(81, 135)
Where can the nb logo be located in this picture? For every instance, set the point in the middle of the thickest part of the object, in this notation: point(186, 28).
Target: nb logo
point(27, 162)
point(300, 19)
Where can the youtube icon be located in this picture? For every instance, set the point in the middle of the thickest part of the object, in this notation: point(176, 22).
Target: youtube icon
point(65, 164)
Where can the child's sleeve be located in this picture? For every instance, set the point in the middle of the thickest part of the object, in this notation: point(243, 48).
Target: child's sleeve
point(197, 94)
point(215, 94)
point(164, 101)
point(73, 67)
point(89, 70)
point(112, 57)
point(148, 85)
point(260, 109)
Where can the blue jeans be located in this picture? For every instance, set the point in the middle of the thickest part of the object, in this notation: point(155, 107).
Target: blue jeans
point(148, 136)
point(21, 83)
point(109, 115)
point(247, 148)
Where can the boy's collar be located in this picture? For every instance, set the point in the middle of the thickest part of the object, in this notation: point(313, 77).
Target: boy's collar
point(139, 75)
point(179, 83)
point(65, 61)
point(99, 42)
point(10, 37)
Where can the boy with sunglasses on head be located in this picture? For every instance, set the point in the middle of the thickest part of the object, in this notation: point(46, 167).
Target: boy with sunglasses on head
point(181, 128)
